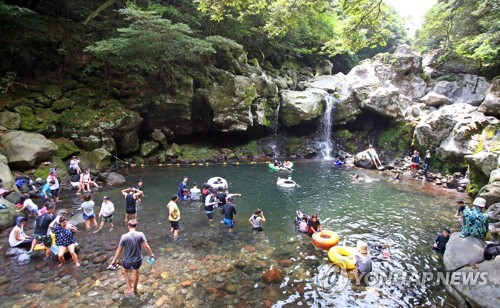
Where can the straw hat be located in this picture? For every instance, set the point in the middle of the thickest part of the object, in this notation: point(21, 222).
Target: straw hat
point(362, 247)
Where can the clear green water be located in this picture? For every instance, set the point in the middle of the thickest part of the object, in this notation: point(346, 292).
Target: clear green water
point(407, 214)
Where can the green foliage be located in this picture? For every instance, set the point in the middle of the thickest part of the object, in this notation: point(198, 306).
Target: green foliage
point(151, 45)
point(397, 138)
point(293, 144)
point(191, 153)
point(477, 181)
point(466, 27)
point(250, 149)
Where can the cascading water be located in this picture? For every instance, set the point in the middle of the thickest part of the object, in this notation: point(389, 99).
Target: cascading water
point(325, 128)
point(274, 143)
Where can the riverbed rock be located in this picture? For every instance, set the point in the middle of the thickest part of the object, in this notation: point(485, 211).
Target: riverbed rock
point(491, 104)
point(10, 120)
point(324, 68)
point(96, 160)
point(148, 148)
point(25, 150)
point(435, 99)
point(115, 179)
point(462, 252)
point(363, 160)
point(8, 181)
point(272, 276)
point(35, 287)
point(483, 293)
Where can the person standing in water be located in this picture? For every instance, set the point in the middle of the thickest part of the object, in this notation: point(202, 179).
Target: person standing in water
point(229, 211)
point(182, 188)
point(314, 225)
point(210, 202)
point(131, 196)
point(106, 213)
point(363, 259)
point(174, 215)
point(132, 242)
point(427, 162)
point(257, 219)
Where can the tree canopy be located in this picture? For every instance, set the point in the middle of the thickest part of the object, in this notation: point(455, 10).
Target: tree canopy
point(470, 28)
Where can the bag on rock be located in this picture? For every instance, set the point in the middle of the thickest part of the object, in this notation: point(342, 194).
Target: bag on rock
point(491, 251)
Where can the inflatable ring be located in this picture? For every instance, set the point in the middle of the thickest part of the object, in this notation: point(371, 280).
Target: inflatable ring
point(342, 256)
point(325, 239)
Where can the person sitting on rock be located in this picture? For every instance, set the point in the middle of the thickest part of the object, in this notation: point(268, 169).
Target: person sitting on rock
point(441, 240)
point(74, 165)
point(374, 156)
point(76, 183)
point(86, 181)
point(17, 237)
point(475, 222)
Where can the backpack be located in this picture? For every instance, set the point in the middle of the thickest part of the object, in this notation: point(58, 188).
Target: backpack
point(491, 251)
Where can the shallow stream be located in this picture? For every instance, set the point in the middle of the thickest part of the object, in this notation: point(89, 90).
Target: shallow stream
point(219, 269)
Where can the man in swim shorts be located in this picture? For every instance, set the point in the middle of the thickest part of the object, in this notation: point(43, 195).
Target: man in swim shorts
point(132, 242)
point(229, 211)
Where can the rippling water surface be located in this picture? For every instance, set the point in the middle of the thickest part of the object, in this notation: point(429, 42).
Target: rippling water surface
point(226, 270)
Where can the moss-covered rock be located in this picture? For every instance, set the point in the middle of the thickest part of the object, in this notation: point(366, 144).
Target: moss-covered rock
point(10, 120)
point(25, 150)
point(174, 150)
point(53, 92)
point(193, 153)
point(477, 180)
point(41, 100)
point(62, 104)
point(397, 138)
point(250, 149)
point(301, 106)
point(148, 147)
point(66, 148)
point(96, 160)
point(293, 145)
point(42, 171)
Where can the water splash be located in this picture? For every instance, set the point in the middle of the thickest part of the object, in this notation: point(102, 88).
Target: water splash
point(325, 128)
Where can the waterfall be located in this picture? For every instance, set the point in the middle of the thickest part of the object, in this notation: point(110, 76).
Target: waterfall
point(325, 128)
point(273, 144)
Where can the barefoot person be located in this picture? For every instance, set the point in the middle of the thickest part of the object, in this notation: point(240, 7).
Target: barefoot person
point(132, 242)
point(374, 156)
point(173, 216)
point(131, 197)
point(65, 239)
point(88, 212)
point(106, 213)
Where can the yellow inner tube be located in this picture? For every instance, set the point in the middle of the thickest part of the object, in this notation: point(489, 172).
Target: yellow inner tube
point(39, 246)
point(343, 256)
point(325, 239)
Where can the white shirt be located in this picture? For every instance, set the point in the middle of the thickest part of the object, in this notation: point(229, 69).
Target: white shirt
point(195, 193)
point(56, 184)
point(107, 209)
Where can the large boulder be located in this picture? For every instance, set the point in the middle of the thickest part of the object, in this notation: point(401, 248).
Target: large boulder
point(454, 129)
point(115, 179)
point(486, 162)
point(96, 160)
point(25, 150)
point(491, 104)
point(301, 106)
point(483, 293)
point(435, 99)
point(467, 89)
point(324, 68)
point(7, 215)
point(495, 175)
point(104, 127)
point(8, 181)
point(462, 252)
point(490, 192)
point(10, 120)
point(386, 101)
point(435, 66)
point(148, 147)
point(364, 160)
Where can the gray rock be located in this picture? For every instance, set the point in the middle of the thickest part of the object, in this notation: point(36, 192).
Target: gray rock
point(483, 293)
point(9, 182)
point(324, 68)
point(495, 175)
point(25, 150)
point(435, 99)
point(148, 147)
point(491, 104)
point(494, 213)
point(301, 106)
point(10, 120)
point(158, 136)
point(486, 162)
point(462, 252)
point(115, 179)
point(13, 252)
point(467, 89)
point(491, 193)
point(97, 160)
point(8, 215)
point(363, 160)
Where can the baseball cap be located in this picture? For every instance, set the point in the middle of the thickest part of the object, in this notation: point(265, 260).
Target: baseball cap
point(105, 198)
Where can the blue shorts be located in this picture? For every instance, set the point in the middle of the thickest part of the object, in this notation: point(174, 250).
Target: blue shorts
point(134, 265)
point(229, 222)
point(85, 217)
point(210, 214)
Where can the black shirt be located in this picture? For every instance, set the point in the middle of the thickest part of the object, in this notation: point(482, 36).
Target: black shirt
point(222, 198)
point(441, 241)
point(461, 209)
point(314, 225)
point(228, 210)
point(130, 203)
point(75, 178)
point(42, 223)
point(210, 208)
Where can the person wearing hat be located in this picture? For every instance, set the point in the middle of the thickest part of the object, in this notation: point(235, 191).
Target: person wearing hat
point(106, 213)
point(363, 259)
point(17, 237)
point(475, 221)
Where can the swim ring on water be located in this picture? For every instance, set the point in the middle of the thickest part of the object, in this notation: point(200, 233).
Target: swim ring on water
point(342, 256)
point(325, 239)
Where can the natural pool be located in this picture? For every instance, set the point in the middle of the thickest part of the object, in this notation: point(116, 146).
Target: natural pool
point(222, 270)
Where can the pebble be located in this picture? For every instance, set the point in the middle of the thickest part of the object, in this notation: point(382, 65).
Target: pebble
point(250, 248)
point(35, 287)
point(219, 278)
point(186, 283)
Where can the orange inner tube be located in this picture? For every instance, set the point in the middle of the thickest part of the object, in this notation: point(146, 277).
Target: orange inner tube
point(325, 239)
